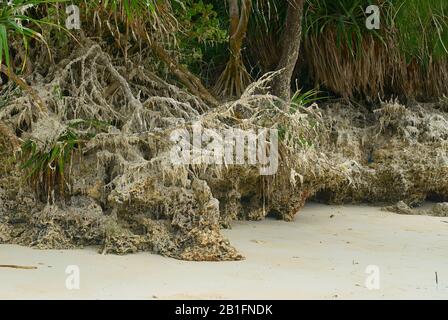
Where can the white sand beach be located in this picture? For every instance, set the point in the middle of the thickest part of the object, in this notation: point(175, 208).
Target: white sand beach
point(323, 254)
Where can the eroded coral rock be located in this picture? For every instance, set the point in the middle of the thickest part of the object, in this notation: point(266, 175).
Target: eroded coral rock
point(126, 195)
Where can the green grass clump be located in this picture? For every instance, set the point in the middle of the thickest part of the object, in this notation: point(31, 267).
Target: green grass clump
point(49, 171)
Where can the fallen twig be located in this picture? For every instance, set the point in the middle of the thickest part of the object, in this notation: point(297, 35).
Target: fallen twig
point(11, 266)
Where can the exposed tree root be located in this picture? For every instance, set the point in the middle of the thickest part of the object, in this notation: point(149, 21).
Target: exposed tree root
point(126, 195)
point(22, 84)
point(235, 78)
point(193, 84)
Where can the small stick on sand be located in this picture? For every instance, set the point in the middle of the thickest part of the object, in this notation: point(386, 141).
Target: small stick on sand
point(17, 267)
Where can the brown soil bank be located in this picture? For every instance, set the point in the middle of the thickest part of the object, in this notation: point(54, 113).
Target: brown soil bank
point(99, 171)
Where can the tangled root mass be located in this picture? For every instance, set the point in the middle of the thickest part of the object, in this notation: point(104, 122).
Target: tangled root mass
point(125, 195)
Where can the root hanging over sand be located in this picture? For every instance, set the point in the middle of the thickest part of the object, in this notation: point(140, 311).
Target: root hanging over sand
point(124, 194)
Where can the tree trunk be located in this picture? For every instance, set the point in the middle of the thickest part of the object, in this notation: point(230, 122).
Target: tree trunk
point(290, 49)
point(235, 78)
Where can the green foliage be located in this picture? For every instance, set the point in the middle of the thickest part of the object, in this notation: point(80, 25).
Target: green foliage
point(285, 133)
point(346, 17)
point(203, 36)
point(195, 32)
point(423, 27)
point(139, 19)
point(13, 21)
point(90, 127)
point(130, 8)
point(48, 170)
point(201, 22)
point(306, 98)
point(406, 57)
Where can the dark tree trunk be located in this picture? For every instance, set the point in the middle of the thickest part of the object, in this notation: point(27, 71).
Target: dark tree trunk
point(290, 49)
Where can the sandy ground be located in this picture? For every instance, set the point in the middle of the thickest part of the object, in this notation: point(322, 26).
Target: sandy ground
point(324, 254)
